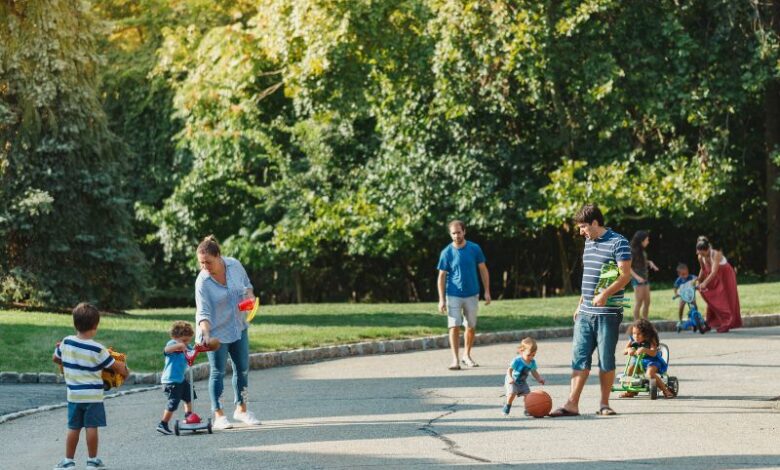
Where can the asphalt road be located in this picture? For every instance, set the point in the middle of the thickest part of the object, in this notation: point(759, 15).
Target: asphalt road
point(408, 410)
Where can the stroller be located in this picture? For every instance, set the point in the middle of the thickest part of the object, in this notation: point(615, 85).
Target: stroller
point(687, 293)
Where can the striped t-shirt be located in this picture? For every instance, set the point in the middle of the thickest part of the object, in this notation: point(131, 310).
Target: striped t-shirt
point(83, 361)
point(609, 247)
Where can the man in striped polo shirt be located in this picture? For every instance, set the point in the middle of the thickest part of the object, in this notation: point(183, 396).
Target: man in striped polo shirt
point(599, 313)
point(83, 360)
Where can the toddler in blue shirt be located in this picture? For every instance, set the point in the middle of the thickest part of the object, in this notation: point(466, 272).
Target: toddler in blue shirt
point(523, 364)
point(176, 386)
point(683, 276)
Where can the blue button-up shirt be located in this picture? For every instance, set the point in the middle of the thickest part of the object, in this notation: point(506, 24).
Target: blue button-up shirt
point(218, 304)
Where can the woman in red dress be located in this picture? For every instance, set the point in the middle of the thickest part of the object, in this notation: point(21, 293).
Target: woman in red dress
point(718, 286)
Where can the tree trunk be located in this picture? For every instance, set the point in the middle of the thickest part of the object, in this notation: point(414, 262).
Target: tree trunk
point(298, 288)
point(564, 259)
point(772, 141)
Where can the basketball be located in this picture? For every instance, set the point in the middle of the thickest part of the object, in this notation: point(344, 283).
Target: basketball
point(538, 403)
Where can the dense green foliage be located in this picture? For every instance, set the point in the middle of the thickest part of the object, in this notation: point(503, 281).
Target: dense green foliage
point(327, 142)
point(65, 220)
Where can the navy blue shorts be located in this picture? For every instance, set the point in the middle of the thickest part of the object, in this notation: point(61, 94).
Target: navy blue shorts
point(176, 393)
point(593, 332)
point(86, 415)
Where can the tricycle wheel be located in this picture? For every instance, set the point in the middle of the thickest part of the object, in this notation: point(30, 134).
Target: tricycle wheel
point(176, 429)
point(673, 385)
point(653, 390)
point(700, 324)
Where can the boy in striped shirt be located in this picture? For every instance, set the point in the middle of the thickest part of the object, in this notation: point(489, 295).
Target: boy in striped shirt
point(83, 361)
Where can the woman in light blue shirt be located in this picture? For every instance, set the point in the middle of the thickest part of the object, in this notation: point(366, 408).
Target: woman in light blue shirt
point(220, 286)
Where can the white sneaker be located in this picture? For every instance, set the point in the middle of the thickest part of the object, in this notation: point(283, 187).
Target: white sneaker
point(246, 417)
point(221, 422)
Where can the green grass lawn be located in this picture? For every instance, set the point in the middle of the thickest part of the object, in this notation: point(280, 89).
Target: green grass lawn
point(27, 339)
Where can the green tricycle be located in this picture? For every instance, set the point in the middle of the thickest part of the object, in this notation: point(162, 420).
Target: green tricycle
point(636, 380)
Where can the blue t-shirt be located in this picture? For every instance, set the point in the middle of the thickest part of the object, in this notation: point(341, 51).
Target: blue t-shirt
point(682, 280)
point(520, 369)
point(175, 365)
point(461, 266)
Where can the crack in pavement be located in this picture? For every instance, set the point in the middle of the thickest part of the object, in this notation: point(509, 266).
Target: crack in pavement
point(452, 446)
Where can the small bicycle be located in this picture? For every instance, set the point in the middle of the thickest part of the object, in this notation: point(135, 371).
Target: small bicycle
point(638, 382)
point(695, 321)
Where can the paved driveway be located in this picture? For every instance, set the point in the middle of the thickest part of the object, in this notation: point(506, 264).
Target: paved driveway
point(407, 410)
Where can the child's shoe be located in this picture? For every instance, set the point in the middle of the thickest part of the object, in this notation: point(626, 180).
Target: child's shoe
point(506, 410)
point(163, 428)
point(65, 464)
point(95, 463)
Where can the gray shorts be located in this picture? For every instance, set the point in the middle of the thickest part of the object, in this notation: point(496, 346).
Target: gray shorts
point(459, 308)
point(518, 388)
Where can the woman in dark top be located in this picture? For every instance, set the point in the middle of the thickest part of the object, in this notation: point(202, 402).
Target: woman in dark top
point(640, 273)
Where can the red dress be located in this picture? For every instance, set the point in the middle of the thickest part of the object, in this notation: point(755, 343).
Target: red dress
point(722, 297)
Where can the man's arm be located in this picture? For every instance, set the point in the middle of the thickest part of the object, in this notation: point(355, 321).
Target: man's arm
point(577, 310)
point(441, 285)
point(625, 276)
point(483, 272)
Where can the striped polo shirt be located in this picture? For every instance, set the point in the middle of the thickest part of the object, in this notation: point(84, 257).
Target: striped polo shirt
point(83, 361)
point(609, 247)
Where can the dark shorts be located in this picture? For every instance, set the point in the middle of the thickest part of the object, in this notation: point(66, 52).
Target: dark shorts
point(635, 283)
point(176, 393)
point(593, 332)
point(86, 415)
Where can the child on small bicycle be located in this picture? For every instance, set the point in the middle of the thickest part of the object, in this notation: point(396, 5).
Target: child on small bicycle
point(643, 342)
point(683, 276)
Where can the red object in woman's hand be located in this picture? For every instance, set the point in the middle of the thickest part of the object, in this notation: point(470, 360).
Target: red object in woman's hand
point(246, 305)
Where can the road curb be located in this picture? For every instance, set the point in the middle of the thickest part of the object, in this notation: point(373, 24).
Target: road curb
point(20, 414)
point(267, 360)
point(299, 356)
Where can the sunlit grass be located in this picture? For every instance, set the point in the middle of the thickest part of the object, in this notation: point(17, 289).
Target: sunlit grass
point(27, 339)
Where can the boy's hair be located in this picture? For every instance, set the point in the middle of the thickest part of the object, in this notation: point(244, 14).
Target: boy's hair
point(681, 266)
point(180, 329)
point(648, 331)
point(458, 223)
point(528, 343)
point(85, 317)
point(209, 246)
point(588, 213)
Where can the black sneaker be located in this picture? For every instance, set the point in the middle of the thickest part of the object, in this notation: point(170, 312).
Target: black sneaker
point(163, 428)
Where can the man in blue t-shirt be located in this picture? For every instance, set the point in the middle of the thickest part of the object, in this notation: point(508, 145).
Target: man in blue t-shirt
point(600, 311)
point(458, 265)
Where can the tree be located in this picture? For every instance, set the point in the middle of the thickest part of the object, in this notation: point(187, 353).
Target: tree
point(66, 220)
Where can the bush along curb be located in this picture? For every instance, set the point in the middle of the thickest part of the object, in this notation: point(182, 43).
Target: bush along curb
point(308, 355)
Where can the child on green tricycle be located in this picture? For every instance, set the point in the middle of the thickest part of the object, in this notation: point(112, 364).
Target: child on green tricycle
point(646, 355)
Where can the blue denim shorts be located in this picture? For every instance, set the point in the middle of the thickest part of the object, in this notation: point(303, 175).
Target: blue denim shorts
point(593, 332)
point(86, 415)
